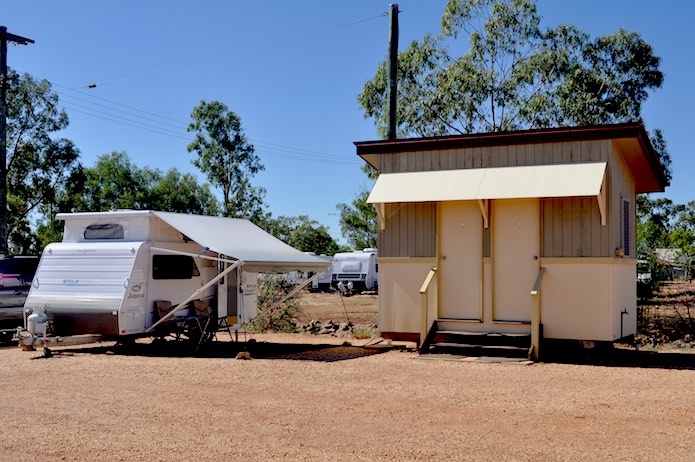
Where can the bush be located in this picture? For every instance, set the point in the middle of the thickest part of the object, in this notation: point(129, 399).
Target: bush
point(282, 318)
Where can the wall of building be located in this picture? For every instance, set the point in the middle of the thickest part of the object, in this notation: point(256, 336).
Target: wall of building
point(400, 302)
point(571, 227)
point(581, 299)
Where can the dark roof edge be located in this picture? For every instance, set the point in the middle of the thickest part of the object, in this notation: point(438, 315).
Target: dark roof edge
point(543, 135)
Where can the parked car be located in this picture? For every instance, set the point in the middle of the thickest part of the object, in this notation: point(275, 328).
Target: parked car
point(16, 274)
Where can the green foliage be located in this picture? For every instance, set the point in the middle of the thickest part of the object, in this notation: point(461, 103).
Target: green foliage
point(493, 68)
point(177, 192)
point(272, 288)
point(653, 223)
point(227, 158)
point(663, 225)
point(358, 222)
point(39, 165)
point(115, 182)
point(302, 233)
point(659, 144)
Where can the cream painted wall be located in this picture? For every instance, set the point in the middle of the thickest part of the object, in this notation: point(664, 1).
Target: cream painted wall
point(400, 301)
point(624, 297)
point(583, 300)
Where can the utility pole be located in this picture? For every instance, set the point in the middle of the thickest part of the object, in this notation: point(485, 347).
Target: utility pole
point(4, 38)
point(393, 70)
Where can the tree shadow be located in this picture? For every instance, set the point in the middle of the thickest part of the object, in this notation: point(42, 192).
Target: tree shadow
point(227, 350)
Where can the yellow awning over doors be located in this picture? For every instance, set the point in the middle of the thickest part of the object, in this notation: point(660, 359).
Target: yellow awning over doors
point(525, 182)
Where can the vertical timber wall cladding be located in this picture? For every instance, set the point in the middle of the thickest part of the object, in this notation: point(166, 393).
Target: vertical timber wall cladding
point(570, 227)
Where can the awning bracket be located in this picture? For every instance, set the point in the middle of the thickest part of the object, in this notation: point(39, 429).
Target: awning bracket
point(483, 203)
point(601, 199)
point(381, 213)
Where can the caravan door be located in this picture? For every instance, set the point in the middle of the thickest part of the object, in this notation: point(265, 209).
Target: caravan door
point(228, 299)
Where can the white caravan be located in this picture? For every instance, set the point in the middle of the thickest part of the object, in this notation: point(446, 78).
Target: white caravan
point(113, 269)
point(323, 282)
point(356, 271)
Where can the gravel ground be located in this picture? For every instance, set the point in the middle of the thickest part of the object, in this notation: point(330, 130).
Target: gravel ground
point(299, 400)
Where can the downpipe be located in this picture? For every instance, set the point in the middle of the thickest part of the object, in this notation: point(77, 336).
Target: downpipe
point(622, 314)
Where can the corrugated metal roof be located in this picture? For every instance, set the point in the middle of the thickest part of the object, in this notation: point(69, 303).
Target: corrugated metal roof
point(536, 181)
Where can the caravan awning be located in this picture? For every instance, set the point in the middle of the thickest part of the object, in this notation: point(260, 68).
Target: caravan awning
point(526, 182)
point(242, 240)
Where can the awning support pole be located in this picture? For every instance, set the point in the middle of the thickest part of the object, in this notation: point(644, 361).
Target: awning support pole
point(181, 305)
point(190, 254)
point(536, 319)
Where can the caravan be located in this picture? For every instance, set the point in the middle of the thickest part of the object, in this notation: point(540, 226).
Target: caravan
point(130, 273)
point(356, 271)
point(323, 282)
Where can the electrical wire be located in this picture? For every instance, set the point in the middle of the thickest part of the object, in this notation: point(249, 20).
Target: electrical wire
point(120, 104)
point(67, 108)
point(284, 153)
point(179, 125)
point(231, 54)
point(178, 129)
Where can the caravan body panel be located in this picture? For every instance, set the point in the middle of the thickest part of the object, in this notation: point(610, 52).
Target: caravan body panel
point(82, 285)
point(358, 268)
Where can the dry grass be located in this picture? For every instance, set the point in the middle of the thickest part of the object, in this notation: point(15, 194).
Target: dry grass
point(668, 319)
point(358, 309)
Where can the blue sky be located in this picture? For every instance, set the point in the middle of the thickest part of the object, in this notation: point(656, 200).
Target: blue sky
point(296, 96)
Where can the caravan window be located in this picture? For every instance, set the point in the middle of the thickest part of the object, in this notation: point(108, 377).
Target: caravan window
point(106, 231)
point(173, 267)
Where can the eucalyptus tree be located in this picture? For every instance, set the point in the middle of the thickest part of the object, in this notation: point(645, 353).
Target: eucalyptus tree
point(227, 158)
point(39, 163)
point(494, 67)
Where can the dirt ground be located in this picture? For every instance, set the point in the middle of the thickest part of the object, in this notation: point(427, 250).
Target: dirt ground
point(310, 398)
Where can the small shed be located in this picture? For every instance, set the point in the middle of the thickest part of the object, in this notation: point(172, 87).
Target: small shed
point(511, 232)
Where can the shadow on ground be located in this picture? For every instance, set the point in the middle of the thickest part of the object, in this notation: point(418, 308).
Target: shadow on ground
point(230, 350)
point(622, 357)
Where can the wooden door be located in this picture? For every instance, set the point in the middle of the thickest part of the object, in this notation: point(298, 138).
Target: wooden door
point(515, 257)
point(461, 261)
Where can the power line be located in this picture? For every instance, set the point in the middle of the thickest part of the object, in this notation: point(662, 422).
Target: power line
point(63, 106)
point(121, 104)
point(178, 126)
point(231, 54)
point(71, 103)
point(284, 152)
point(177, 130)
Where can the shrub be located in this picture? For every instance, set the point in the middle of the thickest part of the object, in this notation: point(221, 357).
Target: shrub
point(281, 318)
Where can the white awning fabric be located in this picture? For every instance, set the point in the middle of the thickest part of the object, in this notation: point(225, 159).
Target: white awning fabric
point(535, 181)
point(240, 239)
